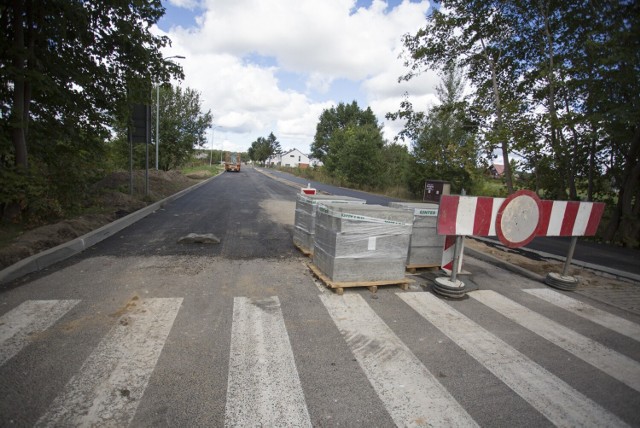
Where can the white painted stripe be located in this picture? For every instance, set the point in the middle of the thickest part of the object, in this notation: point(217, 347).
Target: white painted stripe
point(112, 380)
point(497, 203)
point(465, 217)
point(264, 388)
point(598, 316)
point(32, 317)
point(582, 219)
point(557, 215)
point(555, 399)
point(609, 361)
point(410, 393)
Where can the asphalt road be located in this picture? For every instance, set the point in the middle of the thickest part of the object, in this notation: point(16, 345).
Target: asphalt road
point(141, 330)
point(610, 256)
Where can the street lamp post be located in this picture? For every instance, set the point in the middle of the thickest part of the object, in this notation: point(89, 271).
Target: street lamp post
point(211, 152)
point(158, 113)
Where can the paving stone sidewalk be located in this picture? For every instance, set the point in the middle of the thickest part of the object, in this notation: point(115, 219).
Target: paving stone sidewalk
point(624, 296)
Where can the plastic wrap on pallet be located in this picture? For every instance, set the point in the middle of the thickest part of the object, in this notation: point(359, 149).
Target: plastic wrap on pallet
point(361, 243)
point(305, 215)
point(426, 246)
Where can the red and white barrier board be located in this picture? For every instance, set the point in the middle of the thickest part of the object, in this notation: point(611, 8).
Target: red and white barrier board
point(570, 218)
point(448, 254)
point(518, 219)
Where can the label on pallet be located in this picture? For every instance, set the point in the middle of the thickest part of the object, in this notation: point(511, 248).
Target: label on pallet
point(426, 212)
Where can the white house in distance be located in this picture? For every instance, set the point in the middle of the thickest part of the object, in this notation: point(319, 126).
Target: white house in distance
point(293, 158)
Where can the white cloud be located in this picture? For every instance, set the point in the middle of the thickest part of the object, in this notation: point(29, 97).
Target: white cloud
point(187, 4)
point(317, 41)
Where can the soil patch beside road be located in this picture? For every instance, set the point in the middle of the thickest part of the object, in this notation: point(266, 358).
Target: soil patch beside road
point(540, 266)
point(111, 201)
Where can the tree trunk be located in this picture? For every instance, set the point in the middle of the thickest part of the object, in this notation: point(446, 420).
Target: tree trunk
point(18, 136)
point(504, 144)
point(624, 220)
point(558, 153)
point(592, 166)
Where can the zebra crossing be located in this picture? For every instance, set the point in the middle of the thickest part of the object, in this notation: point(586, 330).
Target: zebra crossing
point(264, 387)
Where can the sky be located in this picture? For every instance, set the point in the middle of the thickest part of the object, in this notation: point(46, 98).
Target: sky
point(265, 66)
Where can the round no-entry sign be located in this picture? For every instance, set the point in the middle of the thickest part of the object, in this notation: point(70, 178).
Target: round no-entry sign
point(518, 218)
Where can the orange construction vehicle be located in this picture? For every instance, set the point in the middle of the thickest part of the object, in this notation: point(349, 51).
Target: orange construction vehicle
point(232, 162)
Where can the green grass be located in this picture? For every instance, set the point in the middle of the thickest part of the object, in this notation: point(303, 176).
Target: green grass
point(213, 169)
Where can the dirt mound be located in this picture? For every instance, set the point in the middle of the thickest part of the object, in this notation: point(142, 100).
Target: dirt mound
point(111, 201)
point(49, 236)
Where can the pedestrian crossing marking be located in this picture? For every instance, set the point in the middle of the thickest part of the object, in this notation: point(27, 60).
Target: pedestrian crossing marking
point(32, 317)
point(598, 316)
point(263, 384)
point(410, 393)
point(555, 399)
point(613, 363)
point(108, 387)
point(264, 387)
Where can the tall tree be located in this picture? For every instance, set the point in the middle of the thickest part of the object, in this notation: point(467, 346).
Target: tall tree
point(65, 69)
point(263, 148)
point(355, 156)
point(443, 139)
point(69, 63)
point(335, 119)
point(274, 145)
point(473, 33)
point(349, 141)
point(183, 125)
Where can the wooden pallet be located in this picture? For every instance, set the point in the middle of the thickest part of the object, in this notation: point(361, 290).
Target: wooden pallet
point(307, 253)
point(420, 268)
point(371, 285)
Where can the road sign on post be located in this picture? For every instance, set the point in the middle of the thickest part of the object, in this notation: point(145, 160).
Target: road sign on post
point(140, 132)
point(518, 218)
point(434, 189)
point(308, 190)
point(139, 123)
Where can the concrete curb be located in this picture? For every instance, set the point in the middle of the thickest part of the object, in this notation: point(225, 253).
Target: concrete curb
point(68, 249)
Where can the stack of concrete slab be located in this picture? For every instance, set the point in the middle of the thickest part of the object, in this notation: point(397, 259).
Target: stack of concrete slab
point(305, 216)
point(362, 243)
point(426, 246)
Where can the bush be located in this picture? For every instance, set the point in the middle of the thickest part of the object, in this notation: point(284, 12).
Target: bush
point(25, 196)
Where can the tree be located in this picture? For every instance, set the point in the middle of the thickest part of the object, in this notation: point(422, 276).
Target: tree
point(274, 145)
point(443, 138)
point(474, 34)
point(396, 161)
point(355, 156)
point(183, 125)
point(349, 142)
point(70, 63)
point(66, 68)
point(556, 82)
point(263, 148)
point(335, 119)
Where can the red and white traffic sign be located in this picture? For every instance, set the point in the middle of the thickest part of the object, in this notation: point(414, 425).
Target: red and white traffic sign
point(308, 190)
point(517, 219)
